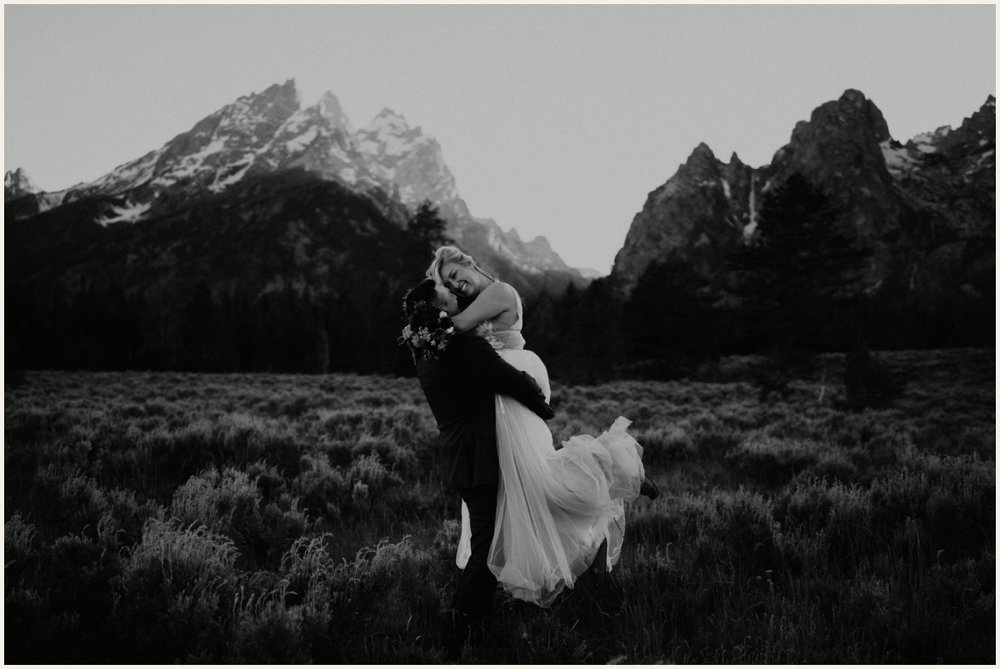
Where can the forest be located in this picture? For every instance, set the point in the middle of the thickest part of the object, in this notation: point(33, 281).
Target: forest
point(796, 290)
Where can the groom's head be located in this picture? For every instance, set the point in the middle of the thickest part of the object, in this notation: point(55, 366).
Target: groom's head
point(431, 293)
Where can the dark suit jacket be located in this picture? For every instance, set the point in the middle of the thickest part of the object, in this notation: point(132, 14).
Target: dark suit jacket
point(460, 387)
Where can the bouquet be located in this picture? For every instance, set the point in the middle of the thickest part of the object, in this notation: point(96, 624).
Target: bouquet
point(428, 331)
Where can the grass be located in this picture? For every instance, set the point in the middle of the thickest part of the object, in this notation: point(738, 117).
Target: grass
point(158, 518)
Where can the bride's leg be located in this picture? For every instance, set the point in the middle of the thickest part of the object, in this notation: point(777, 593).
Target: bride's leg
point(464, 539)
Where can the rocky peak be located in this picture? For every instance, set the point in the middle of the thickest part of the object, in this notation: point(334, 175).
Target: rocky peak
point(266, 132)
point(330, 109)
point(695, 217)
point(539, 246)
point(986, 115)
point(701, 159)
point(503, 251)
point(841, 147)
point(388, 121)
point(240, 128)
point(409, 164)
point(540, 253)
point(319, 139)
point(852, 114)
point(388, 139)
point(283, 97)
point(16, 184)
point(914, 205)
point(260, 112)
point(951, 174)
point(978, 130)
point(927, 141)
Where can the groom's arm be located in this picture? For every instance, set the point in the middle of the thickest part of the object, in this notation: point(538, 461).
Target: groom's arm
point(493, 372)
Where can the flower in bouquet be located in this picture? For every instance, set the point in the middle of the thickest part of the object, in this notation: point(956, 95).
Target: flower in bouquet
point(428, 331)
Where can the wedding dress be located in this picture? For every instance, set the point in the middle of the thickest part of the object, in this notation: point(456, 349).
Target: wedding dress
point(554, 507)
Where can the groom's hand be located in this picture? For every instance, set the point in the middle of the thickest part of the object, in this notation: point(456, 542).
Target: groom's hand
point(540, 407)
point(488, 369)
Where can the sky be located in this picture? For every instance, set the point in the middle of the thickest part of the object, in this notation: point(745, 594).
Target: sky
point(556, 120)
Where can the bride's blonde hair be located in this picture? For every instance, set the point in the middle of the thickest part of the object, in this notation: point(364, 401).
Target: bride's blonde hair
point(452, 254)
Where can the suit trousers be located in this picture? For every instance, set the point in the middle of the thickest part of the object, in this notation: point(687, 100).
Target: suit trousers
point(477, 584)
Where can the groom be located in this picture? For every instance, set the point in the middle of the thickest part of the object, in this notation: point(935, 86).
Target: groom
point(460, 386)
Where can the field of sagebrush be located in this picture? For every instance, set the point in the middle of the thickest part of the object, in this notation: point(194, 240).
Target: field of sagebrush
point(162, 517)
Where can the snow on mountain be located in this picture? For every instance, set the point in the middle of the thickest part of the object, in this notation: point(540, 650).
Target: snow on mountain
point(900, 159)
point(269, 131)
point(927, 142)
point(52, 200)
point(32, 200)
point(129, 213)
point(410, 163)
point(123, 177)
point(330, 109)
point(903, 159)
point(215, 153)
point(226, 143)
point(319, 139)
point(388, 135)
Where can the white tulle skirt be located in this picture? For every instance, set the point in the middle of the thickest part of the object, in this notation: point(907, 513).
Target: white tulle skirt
point(554, 507)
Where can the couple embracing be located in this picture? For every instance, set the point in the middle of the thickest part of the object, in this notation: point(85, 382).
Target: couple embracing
point(533, 517)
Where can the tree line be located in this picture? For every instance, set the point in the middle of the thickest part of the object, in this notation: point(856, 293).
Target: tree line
point(793, 290)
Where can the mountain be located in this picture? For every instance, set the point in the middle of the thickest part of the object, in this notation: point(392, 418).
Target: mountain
point(280, 272)
point(410, 163)
point(387, 161)
point(925, 208)
point(17, 184)
point(23, 199)
point(269, 236)
point(698, 216)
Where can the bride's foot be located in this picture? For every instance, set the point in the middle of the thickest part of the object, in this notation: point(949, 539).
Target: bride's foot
point(649, 489)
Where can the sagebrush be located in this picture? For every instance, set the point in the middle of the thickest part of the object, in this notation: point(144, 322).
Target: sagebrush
point(159, 518)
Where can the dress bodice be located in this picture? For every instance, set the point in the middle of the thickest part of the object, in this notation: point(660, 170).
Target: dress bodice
point(508, 338)
point(501, 339)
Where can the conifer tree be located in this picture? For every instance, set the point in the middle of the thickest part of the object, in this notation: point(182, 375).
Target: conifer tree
point(668, 319)
point(426, 231)
point(800, 273)
point(426, 227)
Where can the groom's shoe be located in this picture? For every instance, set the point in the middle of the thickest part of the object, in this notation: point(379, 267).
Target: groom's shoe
point(649, 489)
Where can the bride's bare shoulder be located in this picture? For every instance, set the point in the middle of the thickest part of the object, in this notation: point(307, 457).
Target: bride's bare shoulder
point(500, 289)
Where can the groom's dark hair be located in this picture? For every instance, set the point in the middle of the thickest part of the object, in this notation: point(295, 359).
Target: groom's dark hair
point(422, 292)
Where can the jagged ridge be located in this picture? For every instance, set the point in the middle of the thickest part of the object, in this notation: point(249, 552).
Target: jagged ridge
point(918, 205)
point(269, 132)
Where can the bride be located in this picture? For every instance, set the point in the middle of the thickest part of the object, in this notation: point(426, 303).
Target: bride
point(555, 508)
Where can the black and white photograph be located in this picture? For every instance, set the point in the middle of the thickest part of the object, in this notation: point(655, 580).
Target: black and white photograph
point(499, 334)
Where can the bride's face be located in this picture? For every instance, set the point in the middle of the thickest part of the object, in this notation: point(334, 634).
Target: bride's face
point(461, 280)
point(446, 301)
